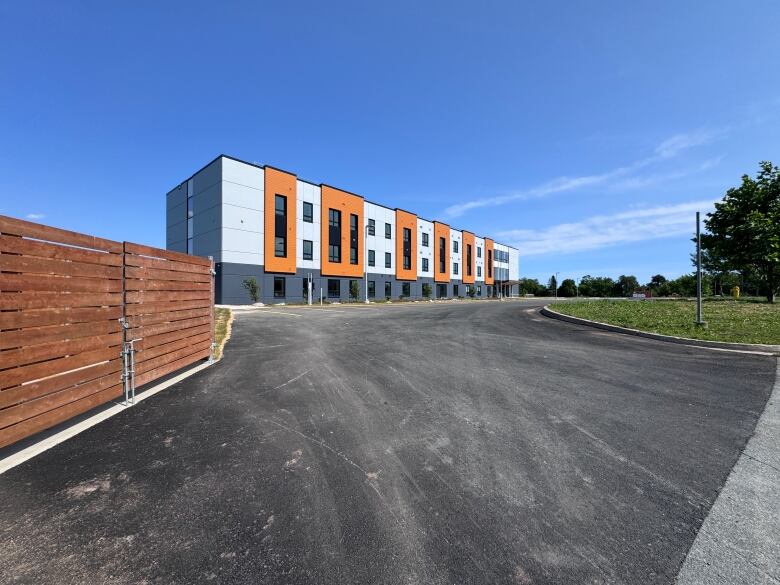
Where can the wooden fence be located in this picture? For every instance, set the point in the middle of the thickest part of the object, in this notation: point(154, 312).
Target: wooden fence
point(70, 306)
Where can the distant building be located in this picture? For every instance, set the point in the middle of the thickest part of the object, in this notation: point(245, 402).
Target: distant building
point(262, 222)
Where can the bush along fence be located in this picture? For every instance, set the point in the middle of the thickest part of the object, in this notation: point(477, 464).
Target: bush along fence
point(85, 320)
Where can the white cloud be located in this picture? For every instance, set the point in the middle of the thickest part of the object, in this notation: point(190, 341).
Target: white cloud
point(35, 216)
point(603, 231)
point(666, 150)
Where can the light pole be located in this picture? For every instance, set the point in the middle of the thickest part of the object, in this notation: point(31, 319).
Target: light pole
point(556, 284)
point(365, 255)
point(699, 321)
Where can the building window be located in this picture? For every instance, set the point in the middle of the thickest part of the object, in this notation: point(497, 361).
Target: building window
point(442, 254)
point(308, 250)
point(279, 247)
point(455, 246)
point(407, 248)
point(371, 258)
point(479, 251)
point(425, 239)
point(371, 289)
point(334, 288)
point(353, 239)
point(454, 267)
point(308, 212)
point(334, 235)
point(388, 290)
point(279, 287)
point(455, 290)
point(305, 282)
point(490, 264)
point(406, 289)
point(280, 226)
point(468, 259)
point(388, 231)
point(425, 265)
point(479, 271)
point(371, 227)
point(388, 260)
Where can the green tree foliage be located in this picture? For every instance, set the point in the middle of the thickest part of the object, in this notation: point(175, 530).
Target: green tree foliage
point(426, 290)
point(743, 233)
point(656, 281)
point(568, 288)
point(596, 286)
point(354, 289)
point(251, 286)
point(625, 286)
point(552, 284)
point(531, 286)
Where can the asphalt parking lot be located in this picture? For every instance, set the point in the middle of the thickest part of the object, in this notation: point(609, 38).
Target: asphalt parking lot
point(472, 442)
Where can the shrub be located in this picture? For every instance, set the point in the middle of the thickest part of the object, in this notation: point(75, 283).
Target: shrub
point(426, 290)
point(251, 286)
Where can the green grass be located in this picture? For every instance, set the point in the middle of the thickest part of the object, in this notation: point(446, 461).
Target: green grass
point(728, 320)
point(221, 320)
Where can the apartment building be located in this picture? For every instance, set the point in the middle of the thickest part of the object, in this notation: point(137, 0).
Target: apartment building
point(293, 236)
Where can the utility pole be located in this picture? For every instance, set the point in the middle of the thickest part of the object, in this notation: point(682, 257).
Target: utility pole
point(699, 321)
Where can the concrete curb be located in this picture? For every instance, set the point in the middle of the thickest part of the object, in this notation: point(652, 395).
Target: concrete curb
point(737, 542)
point(720, 345)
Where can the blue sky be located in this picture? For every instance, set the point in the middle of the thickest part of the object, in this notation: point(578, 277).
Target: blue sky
point(586, 134)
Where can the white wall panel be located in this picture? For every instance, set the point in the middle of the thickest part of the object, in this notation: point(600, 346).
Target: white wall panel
point(424, 227)
point(241, 173)
point(456, 257)
point(479, 259)
point(305, 230)
point(242, 196)
point(378, 242)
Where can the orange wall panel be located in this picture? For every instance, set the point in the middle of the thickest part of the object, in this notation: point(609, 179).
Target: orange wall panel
point(489, 275)
point(279, 183)
point(404, 219)
point(468, 240)
point(441, 230)
point(348, 204)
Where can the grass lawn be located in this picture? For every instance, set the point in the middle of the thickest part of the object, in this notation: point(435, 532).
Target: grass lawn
point(221, 320)
point(728, 320)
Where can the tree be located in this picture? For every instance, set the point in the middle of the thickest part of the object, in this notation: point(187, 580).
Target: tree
point(568, 288)
point(251, 286)
point(598, 286)
point(426, 290)
point(472, 291)
point(743, 233)
point(656, 281)
point(552, 284)
point(625, 286)
point(354, 289)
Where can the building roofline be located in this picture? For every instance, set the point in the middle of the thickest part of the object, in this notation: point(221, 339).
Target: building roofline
point(259, 166)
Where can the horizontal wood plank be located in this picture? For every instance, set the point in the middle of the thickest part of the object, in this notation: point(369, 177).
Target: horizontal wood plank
point(142, 250)
point(18, 394)
point(134, 309)
point(54, 300)
point(23, 374)
point(155, 274)
point(163, 338)
point(202, 340)
point(166, 296)
point(43, 317)
point(36, 335)
point(171, 367)
point(146, 331)
point(17, 282)
point(54, 266)
point(20, 227)
point(20, 412)
point(163, 264)
point(45, 351)
point(27, 247)
point(165, 285)
point(11, 434)
point(154, 318)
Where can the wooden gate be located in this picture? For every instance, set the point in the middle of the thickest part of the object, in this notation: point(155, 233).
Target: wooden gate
point(71, 303)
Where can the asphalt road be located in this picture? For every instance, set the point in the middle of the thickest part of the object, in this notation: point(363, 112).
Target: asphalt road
point(475, 442)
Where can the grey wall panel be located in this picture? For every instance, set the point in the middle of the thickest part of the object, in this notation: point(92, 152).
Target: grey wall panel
point(176, 233)
point(207, 244)
point(177, 196)
point(206, 199)
point(180, 246)
point(176, 214)
point(207, 177)
point(207, 220)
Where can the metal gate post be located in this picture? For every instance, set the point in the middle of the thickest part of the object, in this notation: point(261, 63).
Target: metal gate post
point(211, 320)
